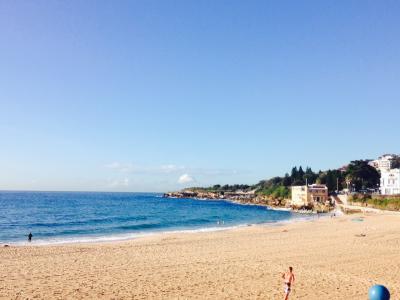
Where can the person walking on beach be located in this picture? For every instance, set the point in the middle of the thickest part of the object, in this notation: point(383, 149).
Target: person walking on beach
point(288, 279)
point(30, 237)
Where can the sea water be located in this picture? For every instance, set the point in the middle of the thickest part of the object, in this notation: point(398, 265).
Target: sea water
point(62, 217)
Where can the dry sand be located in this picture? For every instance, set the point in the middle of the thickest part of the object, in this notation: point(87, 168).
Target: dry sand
point(329, 260)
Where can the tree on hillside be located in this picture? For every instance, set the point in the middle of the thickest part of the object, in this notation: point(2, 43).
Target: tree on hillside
point(294, 174)
point(297, 176)
point(216, 187)
point(287, 181)
point(310, 176)
point(331, 180)
point(300, 174)
point(362, 175)
point(396, 162)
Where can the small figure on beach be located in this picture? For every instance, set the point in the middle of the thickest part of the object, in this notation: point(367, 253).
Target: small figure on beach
point(30, 237)
point(288, 279)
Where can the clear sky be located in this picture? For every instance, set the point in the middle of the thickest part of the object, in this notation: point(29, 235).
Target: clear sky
point(159, 95)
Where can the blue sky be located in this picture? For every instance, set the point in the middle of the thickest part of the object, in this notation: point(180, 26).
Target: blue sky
point(159, 95)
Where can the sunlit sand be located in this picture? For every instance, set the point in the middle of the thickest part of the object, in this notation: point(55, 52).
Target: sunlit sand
point(332, 259)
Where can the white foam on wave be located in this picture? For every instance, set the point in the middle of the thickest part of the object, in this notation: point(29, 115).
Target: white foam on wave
point(116, 237)
point(207, 229)
point(84, 239)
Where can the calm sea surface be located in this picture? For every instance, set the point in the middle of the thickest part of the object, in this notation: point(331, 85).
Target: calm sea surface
point(57, 217)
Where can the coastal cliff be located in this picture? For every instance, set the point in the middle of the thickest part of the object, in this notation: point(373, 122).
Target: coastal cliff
point(246, 197)
point(242, 197)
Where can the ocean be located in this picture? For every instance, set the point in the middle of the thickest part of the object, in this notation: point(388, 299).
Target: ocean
point(65, 217)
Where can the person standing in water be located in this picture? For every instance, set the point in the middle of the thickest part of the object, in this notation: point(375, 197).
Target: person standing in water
point(30, 237)
point(288, 279)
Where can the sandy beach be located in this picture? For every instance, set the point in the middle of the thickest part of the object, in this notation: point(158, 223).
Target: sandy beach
point(331, 260)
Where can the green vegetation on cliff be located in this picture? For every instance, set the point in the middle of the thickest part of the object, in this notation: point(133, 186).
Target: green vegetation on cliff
point(376, 201)
point(385, 203)
point(359, 173)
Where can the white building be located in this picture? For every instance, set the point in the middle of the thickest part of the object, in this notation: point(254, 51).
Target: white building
point(390, 182)
point(384, 162)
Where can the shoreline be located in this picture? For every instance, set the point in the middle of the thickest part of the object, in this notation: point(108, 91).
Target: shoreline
point(127, 237)
point(306, 216)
